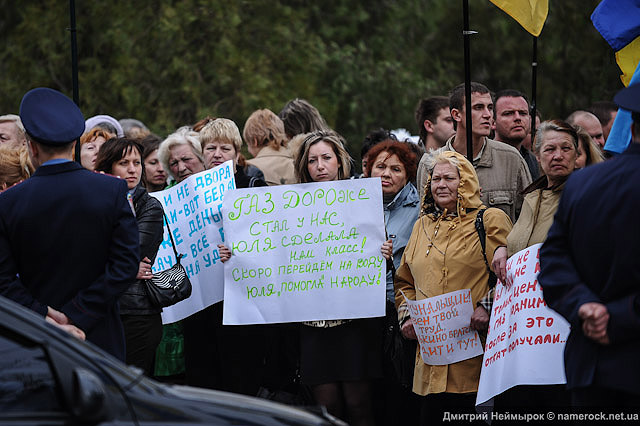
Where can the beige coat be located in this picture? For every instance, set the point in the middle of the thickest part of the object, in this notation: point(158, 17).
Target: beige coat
point(453, 262)
point(277, 166)
point(536, 218)
point(502, 172)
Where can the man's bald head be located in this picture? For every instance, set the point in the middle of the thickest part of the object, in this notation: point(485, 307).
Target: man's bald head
point(590, 124)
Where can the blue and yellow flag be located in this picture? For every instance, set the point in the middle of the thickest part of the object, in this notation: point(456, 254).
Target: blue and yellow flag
point(619, 23)
point(620, 134)
point(531, 14)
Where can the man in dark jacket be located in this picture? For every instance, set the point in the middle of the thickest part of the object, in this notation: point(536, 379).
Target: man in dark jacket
point(590, 274)
point(68, 237)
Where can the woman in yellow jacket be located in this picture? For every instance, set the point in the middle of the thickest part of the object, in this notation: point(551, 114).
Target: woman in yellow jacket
point(444, 254)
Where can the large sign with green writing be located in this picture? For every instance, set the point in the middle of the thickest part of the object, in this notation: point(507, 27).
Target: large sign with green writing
point(304, 252)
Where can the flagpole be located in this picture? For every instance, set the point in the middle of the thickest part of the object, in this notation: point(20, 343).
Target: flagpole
point(534, 77)
point(74, 64)
point(466, 34)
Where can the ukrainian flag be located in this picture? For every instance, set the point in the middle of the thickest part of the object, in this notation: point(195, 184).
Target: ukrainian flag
point(531, 14)
point(620, 135)
point(619, 23)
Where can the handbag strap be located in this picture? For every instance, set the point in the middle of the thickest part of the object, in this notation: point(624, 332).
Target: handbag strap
point(173, 244)
point(482, 235)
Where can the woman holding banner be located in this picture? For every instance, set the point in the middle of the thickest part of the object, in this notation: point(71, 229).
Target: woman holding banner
point(228, 358)
point(444, 254)
point(338, 358)
point(141, 319)
point(556, 147)
point(181, 156)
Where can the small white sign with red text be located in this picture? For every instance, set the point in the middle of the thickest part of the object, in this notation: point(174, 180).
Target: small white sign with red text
point(443, 326)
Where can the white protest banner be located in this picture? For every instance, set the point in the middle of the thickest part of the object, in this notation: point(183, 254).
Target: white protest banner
point(442, 325)
point(304, 252)
point(525, 341)
point(194, 211)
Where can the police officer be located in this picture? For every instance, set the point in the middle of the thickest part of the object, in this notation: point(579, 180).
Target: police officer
point(68, 237)
point(591, 276)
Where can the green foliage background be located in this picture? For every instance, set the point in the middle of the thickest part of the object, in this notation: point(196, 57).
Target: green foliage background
point(364, 64)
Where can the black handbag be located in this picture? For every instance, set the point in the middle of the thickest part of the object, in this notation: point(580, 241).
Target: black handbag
point(172, 285)
point(399, 352)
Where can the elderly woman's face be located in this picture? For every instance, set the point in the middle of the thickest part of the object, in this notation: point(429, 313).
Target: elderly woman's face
point(217, 152)
point(183, 162)
point(391, 171)
point(557, 156)
point(445, 180)
point(323, 163)
point(89, 152)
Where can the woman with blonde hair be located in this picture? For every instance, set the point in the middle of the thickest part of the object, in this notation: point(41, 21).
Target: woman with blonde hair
point(15, 166)
point(588, 151)
point(231, 358)
point(267, 143)
point(339, 359)
point(329, 146)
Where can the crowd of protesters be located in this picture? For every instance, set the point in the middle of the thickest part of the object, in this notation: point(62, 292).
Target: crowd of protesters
point(432, 196)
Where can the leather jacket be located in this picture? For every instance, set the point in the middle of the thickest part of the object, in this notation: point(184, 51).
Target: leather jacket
point(149, 216)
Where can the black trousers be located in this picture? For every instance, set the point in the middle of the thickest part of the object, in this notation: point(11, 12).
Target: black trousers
point(597, 397)
point(224, 357)
point(435, 405)
point(142, 335)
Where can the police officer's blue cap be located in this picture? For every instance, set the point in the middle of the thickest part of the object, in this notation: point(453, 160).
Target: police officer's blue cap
point(51, 118)
point(629, 98)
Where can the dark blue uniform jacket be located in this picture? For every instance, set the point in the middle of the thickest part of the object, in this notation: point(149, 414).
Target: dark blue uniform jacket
point(592, 254)
point(69, 240)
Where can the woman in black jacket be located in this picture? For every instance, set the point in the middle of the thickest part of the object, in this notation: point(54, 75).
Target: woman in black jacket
point(142, 321)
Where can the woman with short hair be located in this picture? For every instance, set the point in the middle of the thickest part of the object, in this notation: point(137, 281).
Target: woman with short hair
point(267, 143)
point(142, 321)
point(230, 358)
point(556, 148)
point(90, 143)
point(395, 164)
point(181, 154)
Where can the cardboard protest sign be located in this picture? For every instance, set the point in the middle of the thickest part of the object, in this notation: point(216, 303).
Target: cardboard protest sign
point(194, 211)
point(304, 252)
point(525, 341)
point(442, 324)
